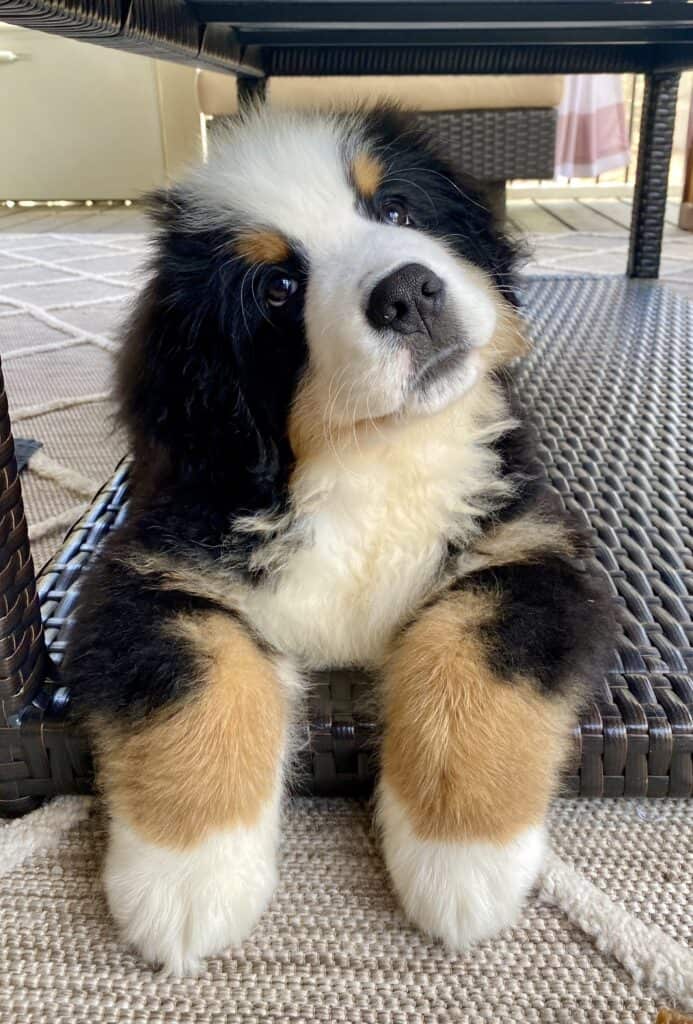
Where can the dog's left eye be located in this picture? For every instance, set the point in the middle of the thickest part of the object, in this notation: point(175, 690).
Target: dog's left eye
point(280, 289)
point(395, 212)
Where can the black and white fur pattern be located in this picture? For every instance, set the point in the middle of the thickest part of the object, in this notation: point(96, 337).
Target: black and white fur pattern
point(323, 483)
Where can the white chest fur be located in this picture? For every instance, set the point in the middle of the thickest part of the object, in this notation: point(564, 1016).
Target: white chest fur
point(369, 532)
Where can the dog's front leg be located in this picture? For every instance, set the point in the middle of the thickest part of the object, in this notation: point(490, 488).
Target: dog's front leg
point(479, 695)
point(193, 791)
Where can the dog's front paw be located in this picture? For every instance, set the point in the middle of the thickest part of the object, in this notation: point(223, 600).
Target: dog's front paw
point(178, 906)
point(460, 892)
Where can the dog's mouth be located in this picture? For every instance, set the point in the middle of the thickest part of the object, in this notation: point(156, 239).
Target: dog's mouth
point(446, 362)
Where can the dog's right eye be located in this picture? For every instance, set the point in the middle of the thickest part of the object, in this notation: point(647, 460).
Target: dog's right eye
point(280, 289)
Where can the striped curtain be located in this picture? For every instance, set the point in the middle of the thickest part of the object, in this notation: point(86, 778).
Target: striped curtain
point(592, 135)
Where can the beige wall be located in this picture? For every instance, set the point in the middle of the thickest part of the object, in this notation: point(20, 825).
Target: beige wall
point(79, 121)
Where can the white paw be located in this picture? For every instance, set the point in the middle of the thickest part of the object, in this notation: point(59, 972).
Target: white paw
point(179, 906)
point(458, 892)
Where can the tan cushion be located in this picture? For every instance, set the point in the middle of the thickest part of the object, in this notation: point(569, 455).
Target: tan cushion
point(217, 92)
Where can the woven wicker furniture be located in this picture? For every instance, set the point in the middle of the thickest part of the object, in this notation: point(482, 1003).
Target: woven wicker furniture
point(607, 387)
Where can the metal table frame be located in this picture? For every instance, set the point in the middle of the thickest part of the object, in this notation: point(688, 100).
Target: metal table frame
point(255, 39)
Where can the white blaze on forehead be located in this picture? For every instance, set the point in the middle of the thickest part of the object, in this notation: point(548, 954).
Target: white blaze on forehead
point(285, 170)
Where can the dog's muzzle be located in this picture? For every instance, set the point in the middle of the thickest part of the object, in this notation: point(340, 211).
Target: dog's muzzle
point(409, 307)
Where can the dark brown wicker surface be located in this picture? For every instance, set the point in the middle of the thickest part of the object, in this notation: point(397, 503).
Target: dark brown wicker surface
point(167, 29)
point(22, 651)
point(494, 145)
point(608, 388)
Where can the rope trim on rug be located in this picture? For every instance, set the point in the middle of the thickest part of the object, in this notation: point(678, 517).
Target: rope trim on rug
point(36, 261)
point(48, 469)
point(41, 830)
point(650, 955)
point(50, 346)
point(63, 520)
point(60, 325)
point(28, 412)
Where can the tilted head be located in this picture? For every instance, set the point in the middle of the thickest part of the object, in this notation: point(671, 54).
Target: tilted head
point(319, 272)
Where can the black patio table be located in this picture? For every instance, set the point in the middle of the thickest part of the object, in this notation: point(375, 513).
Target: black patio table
point(258, 38)
point(607, 386)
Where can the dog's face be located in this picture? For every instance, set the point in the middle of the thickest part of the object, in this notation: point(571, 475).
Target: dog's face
point(320, 272)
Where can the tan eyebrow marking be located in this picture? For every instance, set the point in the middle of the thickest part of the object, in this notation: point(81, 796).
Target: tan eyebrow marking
point(263, 246)
point(367, 171)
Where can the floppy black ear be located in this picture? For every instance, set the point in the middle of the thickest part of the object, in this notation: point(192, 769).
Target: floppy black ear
point(194, 414)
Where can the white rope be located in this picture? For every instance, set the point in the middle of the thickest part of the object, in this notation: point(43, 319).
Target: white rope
point(72, 304)
point(49, 469)
point(88, 275)
point(53, 321)
point(41, 830)
point(27, 412)
point(50, 346)
point(62, 521)
point(650, 955)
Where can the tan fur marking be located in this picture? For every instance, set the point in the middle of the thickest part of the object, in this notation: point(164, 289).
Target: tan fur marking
point(510, 338)
point(367, 171)
point(520, 540)
point(262, 247)
point(470, 756)
point(210, 762)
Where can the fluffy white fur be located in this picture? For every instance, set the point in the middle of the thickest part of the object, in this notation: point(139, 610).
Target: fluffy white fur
point(369, 529)
point(179, 906)
point(458, 892)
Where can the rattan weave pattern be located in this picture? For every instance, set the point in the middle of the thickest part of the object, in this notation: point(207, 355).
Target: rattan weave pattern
point(22, 650)
point(654, 152)
point(608, 389)
point(494, 145)
point(78, 19)
point(451, 60)
point(168, 30)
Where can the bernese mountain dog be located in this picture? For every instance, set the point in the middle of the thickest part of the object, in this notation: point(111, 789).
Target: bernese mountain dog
point(328, 471)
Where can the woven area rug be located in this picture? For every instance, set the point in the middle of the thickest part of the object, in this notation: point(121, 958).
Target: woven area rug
point(606, 938)
point(333, 945)
point(62, 299)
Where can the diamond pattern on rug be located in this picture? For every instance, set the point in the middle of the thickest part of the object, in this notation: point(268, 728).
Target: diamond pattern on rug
point(583, 252)
point(62, 300)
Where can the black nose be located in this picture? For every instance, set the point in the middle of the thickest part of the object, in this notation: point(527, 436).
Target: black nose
point(407, 300)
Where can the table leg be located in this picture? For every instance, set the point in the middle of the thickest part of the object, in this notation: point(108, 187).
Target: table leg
point(686, 211)
point(654, 153)
point(250, 89)
point(23, 658)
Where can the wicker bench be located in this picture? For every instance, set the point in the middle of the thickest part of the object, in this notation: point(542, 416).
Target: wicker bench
point(607, 387)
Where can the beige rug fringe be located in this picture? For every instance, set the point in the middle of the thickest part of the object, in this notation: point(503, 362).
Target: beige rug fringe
point(48, 469)
point(41, 830)
point(650, 955)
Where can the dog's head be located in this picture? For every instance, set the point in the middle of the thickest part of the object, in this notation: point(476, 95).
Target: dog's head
point(319, 272)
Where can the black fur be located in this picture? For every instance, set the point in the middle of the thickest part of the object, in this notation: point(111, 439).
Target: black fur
point(555, 623)
point(124, 658)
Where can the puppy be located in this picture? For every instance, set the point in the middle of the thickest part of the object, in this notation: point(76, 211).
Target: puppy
point(328, 471)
